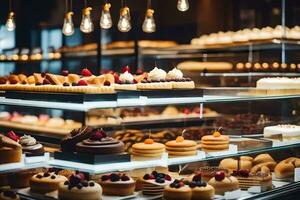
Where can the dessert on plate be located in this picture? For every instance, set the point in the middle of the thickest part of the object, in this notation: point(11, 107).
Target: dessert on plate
point(177, 190)
point(175, 76)
point(153, 184)
point(215, 142)
point(117, 184)
point(44, 182)
point(223, 184)
point(147, 149)
point(76, 188)
point(286, 168)
point(156, 81)
point(208, 172)
point(125, 81)
point(181, 147)
point(10, 150)
point(201, 190)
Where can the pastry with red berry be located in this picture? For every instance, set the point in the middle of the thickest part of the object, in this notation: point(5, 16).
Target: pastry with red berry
point(100, 143)
point(209, 172)
point(125, 81)
point(45, 182)
point(154, 183)
point(177, 190)
point(201, 190)
point(175, 76)
point(181, 147)
point(77, 188)
point(10, 150)
point(223, 183)
point(117, 184)
point(147, 150)
point(156, 80)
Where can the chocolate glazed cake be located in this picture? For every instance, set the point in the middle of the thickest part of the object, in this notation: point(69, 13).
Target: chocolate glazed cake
point(100, 143)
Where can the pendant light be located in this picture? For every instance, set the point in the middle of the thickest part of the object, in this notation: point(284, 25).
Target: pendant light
point(124, 24)
point(106, 21)
point(86, 25)
point(149, 25)
point(183, 5)
point(68, 27)
point(10, 22)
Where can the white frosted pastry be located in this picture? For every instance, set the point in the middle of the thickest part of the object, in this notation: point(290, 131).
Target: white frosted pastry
point(294, 33)
point(288, 132)
point(266, 33)
point(240, 36)
point(278, 83)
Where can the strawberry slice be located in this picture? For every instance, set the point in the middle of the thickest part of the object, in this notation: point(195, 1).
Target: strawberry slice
point(13, 136)
point(86, 72)
point(82, 83)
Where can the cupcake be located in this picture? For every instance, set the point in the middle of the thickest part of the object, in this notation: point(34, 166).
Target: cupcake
point(223, 184)
point(177, 190)
point(117, 184)
point(30, 146)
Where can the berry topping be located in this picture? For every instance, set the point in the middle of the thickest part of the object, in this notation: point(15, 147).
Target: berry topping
point(13, 81)
point(86, 72)
point(74, 180)
point(159, 180)
point(38, 83)
point(243, 172)
point(201, 184)
point(98, 135)
point(114, 177)
point(148, 141)
point(46, 82)
point(3, 80)
point(197, 110)
point(154, 173)
point(168, 178)
point(79, 186)
point(13, 136)
point(66, 84)
point(39, 176)
point(197, 178)
point(219, 176)
point(82, 83)
point(85, 184)
point(179, 139)
point(10, 194)
point(80, 176)
point(24, 82)
point(105, 177)
point(117, 78)
point(216, 134)
point(149, 176)
point(139, 71)
point(91, 184)
point(66, 183)
point(106, 83)
point(192, 184)
point(181, 184)
point(125, 178)
point(161, 175)
point(65, 73)
point(126, 69)
point(53, 177)
point(46, 174)
point(186, 111)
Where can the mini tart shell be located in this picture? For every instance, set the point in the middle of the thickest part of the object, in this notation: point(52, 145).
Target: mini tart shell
point(125, 86)
point(155, 86)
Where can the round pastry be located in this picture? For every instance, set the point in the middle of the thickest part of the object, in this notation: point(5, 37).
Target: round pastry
point(30, 146)
point(9, 195)
point(285, 168)
point(45, 182)
point(154, 183)
point(232, 164)
point(215, 142)
point(21, 179)
point(201, 190)
point(209, 172)
point(77, 135)
point(100, 143)
point(148, 149)
point(117, 184)
point(177, 190)
point(270, 165)
point(10, 151)
point(262, 158)
point(181, 147)
point(79, 189)
point(223, 184)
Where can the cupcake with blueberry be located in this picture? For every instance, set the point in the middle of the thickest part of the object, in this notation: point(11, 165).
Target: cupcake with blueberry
point(200, 189)
point(117, 184)
point(154, 183)
point(77, 188)
point(177, 190)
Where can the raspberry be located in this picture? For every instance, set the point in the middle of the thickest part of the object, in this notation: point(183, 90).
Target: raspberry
point(86, 72)
point(82, 83)
point(126, 69)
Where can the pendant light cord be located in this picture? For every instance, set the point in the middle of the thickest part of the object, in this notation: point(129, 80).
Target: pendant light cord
point(149, 4)
point(123, 3)
point(71, 5)
point(85, 3)
point(66, 10)
point(10, 5)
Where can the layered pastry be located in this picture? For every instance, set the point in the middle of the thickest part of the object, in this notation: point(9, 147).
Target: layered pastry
point(278, 83)
point(286, 168)
point(68, 144)
point(177, 190)
point(45, 182)
point(223, 184)
point(244, 162)
point(100, 143)
point(201, 190)
point(125, 81)
point(76, 188)
point(9, 195)
point(30, 146)
point(215, 142)
point(181, 147)
point(175, 76)
point(261, 177)
point(21, 179)
point(285, 131)
point(148, 149)
point(208, 172)
point(117, 184)
point(156, 81)
point(10, 150)
point(153, 184)
point(66, 83)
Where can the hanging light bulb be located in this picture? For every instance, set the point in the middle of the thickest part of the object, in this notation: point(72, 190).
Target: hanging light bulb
point(183, 5)
point(68, 27)
point(106, 21)
point(86, 25)
point(149, 23)
point(124, 24)
point(10, 23)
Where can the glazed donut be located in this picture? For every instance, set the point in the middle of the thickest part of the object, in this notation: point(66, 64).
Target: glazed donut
point(285, 169)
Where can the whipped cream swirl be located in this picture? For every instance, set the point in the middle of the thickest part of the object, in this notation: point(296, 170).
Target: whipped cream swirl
point(175, 74)
point(27, 140)
point(157, 74)
point(126, 77)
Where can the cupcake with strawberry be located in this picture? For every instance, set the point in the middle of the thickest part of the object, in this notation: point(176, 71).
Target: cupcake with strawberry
point(177, 190)
point(125, 81)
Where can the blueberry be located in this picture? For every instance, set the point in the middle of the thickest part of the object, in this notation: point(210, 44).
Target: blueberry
point(53, 177)
point(46, 174)
point(66, 183)
point(79, 186)
point(39, 176)
point(114, 177)
point(154, 173)
point(85, 184)
point(172, 185)
point(91, 184)
point(192, 184)
point(66, 84)
point(146, 177)
point(104, 177)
